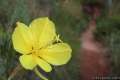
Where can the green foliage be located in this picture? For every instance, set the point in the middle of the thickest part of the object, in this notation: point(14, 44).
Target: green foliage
point(109, 30)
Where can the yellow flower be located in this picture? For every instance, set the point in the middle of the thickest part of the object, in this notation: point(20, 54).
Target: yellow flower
point(39, 45)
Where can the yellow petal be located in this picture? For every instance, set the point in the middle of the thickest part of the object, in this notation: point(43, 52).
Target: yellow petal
point(27, 61)
point(43, 30)
point(43, 64)
point(22, 39)
point(56, 54)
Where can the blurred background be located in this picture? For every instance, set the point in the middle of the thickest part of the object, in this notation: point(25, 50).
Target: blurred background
point(71, 20)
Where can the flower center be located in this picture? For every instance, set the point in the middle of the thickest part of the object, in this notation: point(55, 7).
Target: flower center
point(35, 52)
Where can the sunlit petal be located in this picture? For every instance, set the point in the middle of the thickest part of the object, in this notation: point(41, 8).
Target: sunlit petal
point(56, 54)
point(27, 61)
point(43, 64)
point(22, 38)
point(43, 30)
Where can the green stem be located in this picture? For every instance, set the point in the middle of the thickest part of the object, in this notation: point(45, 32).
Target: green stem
point(39, 74)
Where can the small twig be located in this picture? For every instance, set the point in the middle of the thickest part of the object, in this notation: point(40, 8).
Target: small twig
point(15, 71)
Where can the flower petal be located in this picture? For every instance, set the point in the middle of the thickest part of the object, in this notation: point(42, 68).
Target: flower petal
point(56, 54)
point(43, 30)
point(22, 39)
point(43, 64)
point(27, 61)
